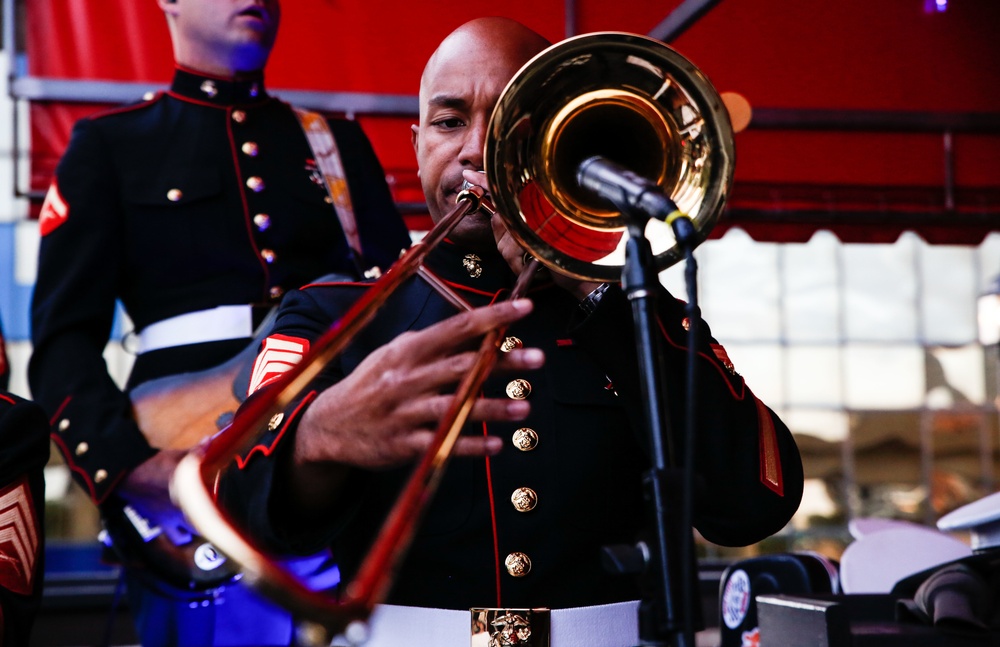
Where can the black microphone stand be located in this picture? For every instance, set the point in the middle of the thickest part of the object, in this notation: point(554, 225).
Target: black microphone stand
point(666, 487)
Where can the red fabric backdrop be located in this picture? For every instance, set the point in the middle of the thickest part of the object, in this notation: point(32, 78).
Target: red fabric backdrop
point(890, 55)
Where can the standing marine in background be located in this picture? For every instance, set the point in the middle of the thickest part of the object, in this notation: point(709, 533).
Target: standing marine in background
point(196, 209)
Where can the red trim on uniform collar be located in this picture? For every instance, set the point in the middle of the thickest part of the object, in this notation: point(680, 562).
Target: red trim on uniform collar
point(251, 76)
point(197, 102)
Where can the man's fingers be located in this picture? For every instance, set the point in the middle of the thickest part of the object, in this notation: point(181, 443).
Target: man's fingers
point(509, 248)
point(476, 179)
point(446, 372)
point(455, 332)
point(521, 359)
point(416, 444)
point(499, 410)
point(451, 369)
point(430, 411)
point(478, 446)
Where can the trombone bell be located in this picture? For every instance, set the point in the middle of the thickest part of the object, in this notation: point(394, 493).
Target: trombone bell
point(624, 97)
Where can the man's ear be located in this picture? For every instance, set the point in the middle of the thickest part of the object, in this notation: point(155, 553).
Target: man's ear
point(414, 139)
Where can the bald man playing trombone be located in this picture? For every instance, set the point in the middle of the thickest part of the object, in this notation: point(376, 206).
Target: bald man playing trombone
point(549, 467)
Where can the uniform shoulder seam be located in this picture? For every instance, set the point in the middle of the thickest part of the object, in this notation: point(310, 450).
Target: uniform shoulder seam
point(132, 107)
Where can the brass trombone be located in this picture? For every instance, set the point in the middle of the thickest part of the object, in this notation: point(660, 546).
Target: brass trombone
point(621, 96)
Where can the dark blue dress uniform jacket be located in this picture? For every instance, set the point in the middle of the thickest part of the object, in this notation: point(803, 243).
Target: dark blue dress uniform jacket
point(205, 195)
point(585, 469)
point(24, 450)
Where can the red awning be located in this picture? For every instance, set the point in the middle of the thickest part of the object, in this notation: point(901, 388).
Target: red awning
point(870, 118)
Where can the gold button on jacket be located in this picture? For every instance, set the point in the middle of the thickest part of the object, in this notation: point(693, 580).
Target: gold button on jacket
point(524, 499)
point(510, 343)
point(525, 439)
point(518, 564)
point(518, 389)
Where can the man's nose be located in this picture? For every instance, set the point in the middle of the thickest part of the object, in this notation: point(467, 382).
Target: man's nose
point(475, 142)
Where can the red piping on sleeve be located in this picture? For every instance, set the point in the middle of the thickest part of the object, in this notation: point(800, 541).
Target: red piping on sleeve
point(267, 450)
point(55, 416)
point(715, 364)
point(61, 445)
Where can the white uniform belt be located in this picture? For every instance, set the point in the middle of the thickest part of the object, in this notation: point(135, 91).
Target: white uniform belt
point(606, 625)
point(214, 324)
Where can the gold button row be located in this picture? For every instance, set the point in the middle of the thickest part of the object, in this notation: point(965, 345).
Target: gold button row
point(525, 439)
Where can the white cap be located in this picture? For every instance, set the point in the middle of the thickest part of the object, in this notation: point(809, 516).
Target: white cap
point(878, 560)
point(862, 526)
point(981, 518)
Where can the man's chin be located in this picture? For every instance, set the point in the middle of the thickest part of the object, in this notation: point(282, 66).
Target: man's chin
point(475, 232)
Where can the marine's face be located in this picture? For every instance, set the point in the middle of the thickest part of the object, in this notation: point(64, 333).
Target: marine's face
point(238, 33)
point(458, 92)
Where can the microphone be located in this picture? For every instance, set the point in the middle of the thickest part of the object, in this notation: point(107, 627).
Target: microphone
point(628, 190)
